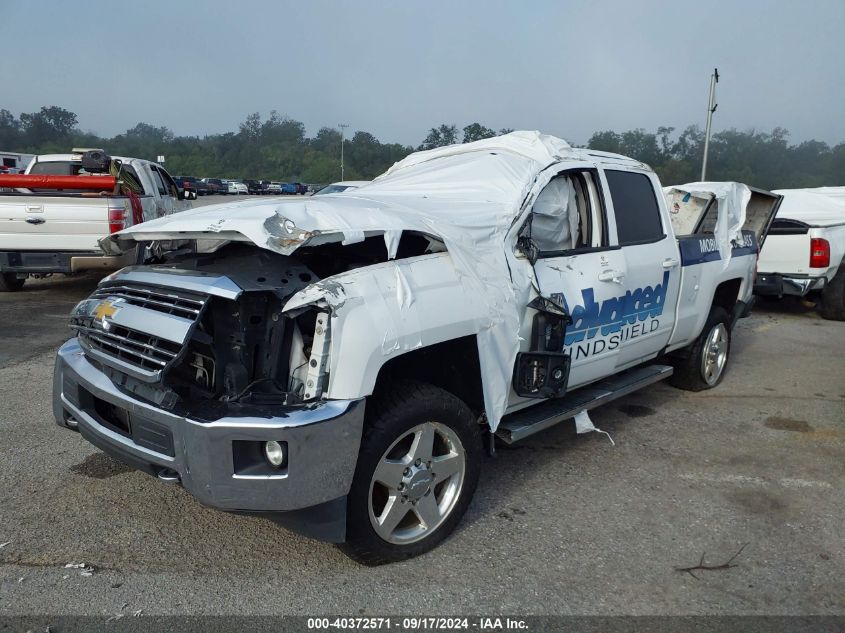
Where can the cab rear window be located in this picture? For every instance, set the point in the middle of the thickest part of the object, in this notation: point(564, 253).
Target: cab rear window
point(635, 207)
point(57, 168)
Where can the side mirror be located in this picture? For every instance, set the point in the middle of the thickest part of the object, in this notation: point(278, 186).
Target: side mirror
point(528, 248)
point(543, 372)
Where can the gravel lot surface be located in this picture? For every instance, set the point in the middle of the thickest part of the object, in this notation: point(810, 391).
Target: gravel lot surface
point(562, 524)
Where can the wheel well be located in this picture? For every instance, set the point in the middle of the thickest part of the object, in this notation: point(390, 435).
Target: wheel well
point(727, 294)
point(451, 365)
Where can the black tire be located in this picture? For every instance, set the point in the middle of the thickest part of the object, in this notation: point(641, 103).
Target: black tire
point(10, 282)
point(833, 297)
point(391, 413)
point(689, 363)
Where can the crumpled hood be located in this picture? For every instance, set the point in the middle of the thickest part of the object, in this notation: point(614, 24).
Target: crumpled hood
point(444, 192)
point(279, 226)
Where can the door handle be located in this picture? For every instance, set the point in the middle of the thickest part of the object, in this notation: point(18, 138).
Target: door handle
point(616, 276)
point(670, 262)
point(35, 220)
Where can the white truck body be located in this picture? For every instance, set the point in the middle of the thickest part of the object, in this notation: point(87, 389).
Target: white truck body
point(514, 273)
point(237, 188)
point(59, 231)
point(14, 162)
point(805, 248)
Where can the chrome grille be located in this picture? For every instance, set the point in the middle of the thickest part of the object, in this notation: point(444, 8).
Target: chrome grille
point(132, 347)
point(185, 305)
point(136, 328)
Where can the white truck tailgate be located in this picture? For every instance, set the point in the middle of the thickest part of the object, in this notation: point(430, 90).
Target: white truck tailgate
point(54, 223)
point(785, 254)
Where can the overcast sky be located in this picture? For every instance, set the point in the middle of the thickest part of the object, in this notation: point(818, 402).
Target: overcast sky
point(397, 68)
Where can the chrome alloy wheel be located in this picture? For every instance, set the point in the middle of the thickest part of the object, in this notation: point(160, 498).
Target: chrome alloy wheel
point(715, 354)
point(416, 483)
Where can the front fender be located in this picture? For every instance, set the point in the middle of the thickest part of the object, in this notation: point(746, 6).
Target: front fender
point(382, 311)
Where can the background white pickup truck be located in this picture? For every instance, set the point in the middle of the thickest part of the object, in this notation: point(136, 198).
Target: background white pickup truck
point(14, 162)
point(335, 361)
point(804, 252)
point(50, 231)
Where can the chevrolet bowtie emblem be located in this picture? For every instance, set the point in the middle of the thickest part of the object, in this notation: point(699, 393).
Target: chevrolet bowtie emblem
point(104, 309)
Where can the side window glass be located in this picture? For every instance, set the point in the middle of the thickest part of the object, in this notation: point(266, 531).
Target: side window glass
point(554, 226)
point(169, 183)
point(635, 206)
point(131, 180)
point(568, 214)
point(159, 183)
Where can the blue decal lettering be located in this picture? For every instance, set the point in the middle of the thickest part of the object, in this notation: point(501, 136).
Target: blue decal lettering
point(609, 316)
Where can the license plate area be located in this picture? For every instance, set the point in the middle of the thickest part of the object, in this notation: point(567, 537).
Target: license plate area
point(142, 431)
point(113, 417)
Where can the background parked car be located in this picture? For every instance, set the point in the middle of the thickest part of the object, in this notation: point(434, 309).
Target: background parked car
point(254, 186)
point(289, 188)
point(275, 188)
point(187, 186)
point(237, 188)
point(216, 186)
point(337, 187)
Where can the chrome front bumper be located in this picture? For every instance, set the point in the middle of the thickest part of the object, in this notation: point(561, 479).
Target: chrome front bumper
point(322, 442)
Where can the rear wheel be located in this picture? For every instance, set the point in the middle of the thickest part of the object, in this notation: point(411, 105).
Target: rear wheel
point(833, 297)
point(702, 365)
point(10, 282)
point(417, 471)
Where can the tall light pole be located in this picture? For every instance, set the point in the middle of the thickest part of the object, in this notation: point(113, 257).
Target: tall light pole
point(711, 108)
point(342, 127)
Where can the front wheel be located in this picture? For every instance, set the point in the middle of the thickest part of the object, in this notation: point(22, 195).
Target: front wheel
point(10, 282)
point(702, 365)
point(417, 470)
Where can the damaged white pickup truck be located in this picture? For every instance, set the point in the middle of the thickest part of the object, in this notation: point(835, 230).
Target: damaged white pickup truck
point(336, 362)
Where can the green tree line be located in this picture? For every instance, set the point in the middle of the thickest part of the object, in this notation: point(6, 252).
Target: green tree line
point(277, 148)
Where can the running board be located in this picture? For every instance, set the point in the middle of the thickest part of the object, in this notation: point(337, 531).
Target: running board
point(521, 424)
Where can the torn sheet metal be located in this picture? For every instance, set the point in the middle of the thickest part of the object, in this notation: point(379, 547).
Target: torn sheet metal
point(467, 196)
point(820, 206)
point(732, 199)
point(325, 293)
